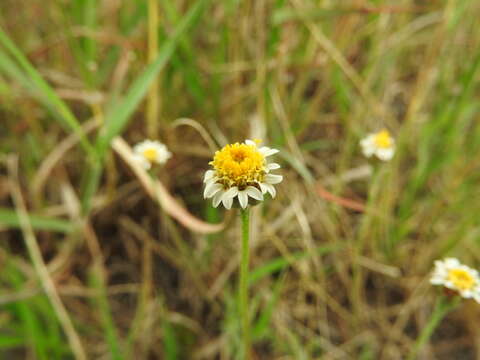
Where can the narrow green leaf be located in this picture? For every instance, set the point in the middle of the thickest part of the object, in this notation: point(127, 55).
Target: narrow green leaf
point(8, 217)
point(101, 302)
point(118, 116)
point(29, 318)
point(44, 92)
point(11, 342)
point(9, 68)
point(263, 322)
point(90, 19)
point(281, 263)
point(184, 61)
point(170, 343)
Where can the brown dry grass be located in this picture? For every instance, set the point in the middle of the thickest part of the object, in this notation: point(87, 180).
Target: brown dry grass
point(346, 250)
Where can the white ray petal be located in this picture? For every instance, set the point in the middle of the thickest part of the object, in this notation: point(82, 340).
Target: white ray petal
point(451, 262)
point(273, 166)
point(436, 280)
point(273, 179)
point(227, 203)
point(211, 189)
point(263, 187)
point(211, 181)
point(217, 198)
point(209, 174)
point(253, 192)
point(385, 154)
point(142, 161)
point(266, 151)
point(228, 196)
point(243, 198)
point(271, 189)
point(368, 145)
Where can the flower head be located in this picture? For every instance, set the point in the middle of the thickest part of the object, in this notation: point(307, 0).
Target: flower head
point(241, 170)
point(380, 144)
point(457, 277)
point(151, 151)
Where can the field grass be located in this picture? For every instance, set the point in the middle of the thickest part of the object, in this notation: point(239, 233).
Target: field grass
point(99, 261)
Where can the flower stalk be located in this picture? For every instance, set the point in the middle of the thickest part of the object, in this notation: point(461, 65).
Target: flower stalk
point(153, 104)
point(243, 283)
point(442, 308)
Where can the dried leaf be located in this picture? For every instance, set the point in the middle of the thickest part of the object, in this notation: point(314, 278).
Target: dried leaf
point(157, 191)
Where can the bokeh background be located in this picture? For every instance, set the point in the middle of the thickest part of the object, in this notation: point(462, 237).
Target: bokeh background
point(100, 262)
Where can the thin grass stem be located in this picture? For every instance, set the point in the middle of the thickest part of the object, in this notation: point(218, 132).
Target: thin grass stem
point(442, 308)
point(153, 99)
point(40, 266)
point(243, 284)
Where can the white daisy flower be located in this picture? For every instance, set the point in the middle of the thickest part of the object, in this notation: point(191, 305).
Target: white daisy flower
point(151, 151)
point(380, 144)
point(241, 170)
point(457, 277)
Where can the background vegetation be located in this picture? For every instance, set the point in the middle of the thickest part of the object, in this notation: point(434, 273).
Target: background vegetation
point(92, 267)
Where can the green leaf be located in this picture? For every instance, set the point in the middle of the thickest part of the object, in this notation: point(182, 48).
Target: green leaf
point(8, 217)
point(101, 302)
point(43, 90)
point(170, 342)
point(281, 263)
point(11, 341)
point(261, 326)
point(119, 115)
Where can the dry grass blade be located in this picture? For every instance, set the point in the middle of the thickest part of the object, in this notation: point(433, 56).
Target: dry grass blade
point(157, 191)
point(201, 130)
point(39, 264)
point(349, 71)
point(346, 203)
point(56, 155)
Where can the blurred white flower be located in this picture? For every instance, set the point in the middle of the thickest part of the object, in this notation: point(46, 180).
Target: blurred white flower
point(457, 277)
point(148, 152)
point(380, 144)
point(241, 170)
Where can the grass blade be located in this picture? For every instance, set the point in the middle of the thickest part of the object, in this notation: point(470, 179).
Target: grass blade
point(45, 92)
point(9, 217)
point(101, 301)
point(170, 342)
point(281, 263)
point(261, 326)
point(118, 116)
point(8, 67)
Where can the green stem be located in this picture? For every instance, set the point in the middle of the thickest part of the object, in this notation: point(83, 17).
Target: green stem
point(153, 105)
point(443, 306)
point(359, 246)
point(243, 284)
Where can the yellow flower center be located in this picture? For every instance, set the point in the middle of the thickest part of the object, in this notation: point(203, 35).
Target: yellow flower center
point(461, 278)
point(239, 165)
point(383, 139)
point(150, 154)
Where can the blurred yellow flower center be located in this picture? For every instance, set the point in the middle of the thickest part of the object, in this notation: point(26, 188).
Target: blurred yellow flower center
point(239, 164)
point(150, 154)
point(461, 279)
point(383, 139)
